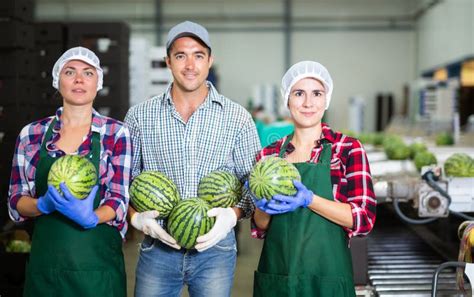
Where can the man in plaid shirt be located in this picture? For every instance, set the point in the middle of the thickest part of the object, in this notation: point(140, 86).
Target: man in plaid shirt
point(187, 132)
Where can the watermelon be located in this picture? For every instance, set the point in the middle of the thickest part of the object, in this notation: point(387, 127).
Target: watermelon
point(77, 172)
point(220, 189)
point(153, 190)
point(459, 165)
point(273, 175)
point(417, 147)
point(396, 149)
point(424, 158)
point(189, 220)
point(444, 138)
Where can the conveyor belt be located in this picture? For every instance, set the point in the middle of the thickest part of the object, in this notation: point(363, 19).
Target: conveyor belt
point(401, 264)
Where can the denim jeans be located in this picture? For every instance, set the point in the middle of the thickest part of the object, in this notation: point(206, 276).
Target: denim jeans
point(163, 271)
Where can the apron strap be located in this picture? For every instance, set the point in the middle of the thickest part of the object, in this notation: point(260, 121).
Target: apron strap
point(285, 144)
point(325, 154)
point(47, 136)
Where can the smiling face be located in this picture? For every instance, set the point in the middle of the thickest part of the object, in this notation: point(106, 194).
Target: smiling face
point(307, 102)
point(78, 83)
point(189, 62)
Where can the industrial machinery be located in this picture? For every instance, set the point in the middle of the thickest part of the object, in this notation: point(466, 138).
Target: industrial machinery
point(433, 195)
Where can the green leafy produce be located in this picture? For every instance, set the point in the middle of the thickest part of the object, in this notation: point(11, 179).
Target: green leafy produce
point(424, 158)
point(459, 165)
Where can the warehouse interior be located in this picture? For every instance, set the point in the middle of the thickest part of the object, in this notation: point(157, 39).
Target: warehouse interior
point(401, 69)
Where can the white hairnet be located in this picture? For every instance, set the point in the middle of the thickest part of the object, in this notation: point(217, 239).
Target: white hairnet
point(302, 70)
point(77, 53)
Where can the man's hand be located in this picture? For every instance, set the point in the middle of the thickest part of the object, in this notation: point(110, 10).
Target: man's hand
point(225, 221)
point(146, 222)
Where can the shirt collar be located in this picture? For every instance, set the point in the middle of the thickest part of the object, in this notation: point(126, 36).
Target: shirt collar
point(328, 133)
point(212, 95)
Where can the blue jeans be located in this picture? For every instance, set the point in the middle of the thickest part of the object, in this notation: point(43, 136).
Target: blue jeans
point(162, 271)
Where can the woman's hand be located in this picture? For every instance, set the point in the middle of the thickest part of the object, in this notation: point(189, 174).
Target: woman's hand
point(282, 204)
point(79, 211)
point(45, 203)
point(259, 203)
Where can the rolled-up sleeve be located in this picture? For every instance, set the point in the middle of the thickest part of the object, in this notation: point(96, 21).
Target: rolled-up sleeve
point(246, 149)
point(360, 193)
point(116, 195)
point(19, 185)
point(132, 125)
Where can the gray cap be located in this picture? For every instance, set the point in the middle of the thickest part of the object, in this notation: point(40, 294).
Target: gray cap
point(189, 29)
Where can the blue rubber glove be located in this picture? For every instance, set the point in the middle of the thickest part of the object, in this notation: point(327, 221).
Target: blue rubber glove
point(79, 211)
point(281, 204)
point(259, 203)
point(45, 203)
point(262, 204)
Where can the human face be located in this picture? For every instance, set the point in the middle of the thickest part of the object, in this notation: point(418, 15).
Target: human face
point(307, 102)
point(189, 62)
point(78, 83)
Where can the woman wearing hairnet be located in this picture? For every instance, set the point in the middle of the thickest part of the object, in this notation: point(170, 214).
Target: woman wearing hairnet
point(306, 252)
point(77, 244)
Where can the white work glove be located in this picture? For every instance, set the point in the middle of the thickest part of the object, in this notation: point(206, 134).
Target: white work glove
point(225, 221)
point(146, 222)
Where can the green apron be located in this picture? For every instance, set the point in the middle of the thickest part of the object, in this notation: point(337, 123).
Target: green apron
point(65, 259)
point(305, 254)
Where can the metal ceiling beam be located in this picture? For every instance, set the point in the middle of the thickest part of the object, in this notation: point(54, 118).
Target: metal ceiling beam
point(287, 29)
point(159, 21)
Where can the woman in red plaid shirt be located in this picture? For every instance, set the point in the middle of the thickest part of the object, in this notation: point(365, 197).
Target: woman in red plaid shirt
point(306, 249)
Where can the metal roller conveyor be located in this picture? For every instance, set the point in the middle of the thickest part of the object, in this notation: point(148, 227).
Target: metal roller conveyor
point(400, 263)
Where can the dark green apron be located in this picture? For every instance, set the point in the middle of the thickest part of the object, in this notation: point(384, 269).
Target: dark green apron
point(305, 254)
point(65, 259)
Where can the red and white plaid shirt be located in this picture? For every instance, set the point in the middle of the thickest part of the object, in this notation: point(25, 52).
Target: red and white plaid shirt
point(350, 176)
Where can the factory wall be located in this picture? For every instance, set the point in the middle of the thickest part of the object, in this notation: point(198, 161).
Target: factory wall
point(445, 34)
point(365, 55)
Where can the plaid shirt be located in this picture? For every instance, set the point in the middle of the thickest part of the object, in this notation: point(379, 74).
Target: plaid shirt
point(220, 134)
point(350, 176)
point(114, 168)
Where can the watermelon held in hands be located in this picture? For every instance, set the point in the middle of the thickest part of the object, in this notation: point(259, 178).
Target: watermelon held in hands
point(153, 190)
point(220, 189)
point(273, 175)
point(189, 220)
point(77, 172)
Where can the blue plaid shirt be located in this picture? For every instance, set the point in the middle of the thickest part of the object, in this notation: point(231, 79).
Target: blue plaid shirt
point(220, 134)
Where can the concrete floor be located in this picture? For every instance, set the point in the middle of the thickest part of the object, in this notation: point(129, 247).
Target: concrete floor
point(247, 261)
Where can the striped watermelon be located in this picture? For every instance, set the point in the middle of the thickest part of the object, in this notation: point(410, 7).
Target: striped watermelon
point(77, 172)
point(273, 175)
point(220, 189)
point(152, 190)
point(189, 220)
point(459, 165)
